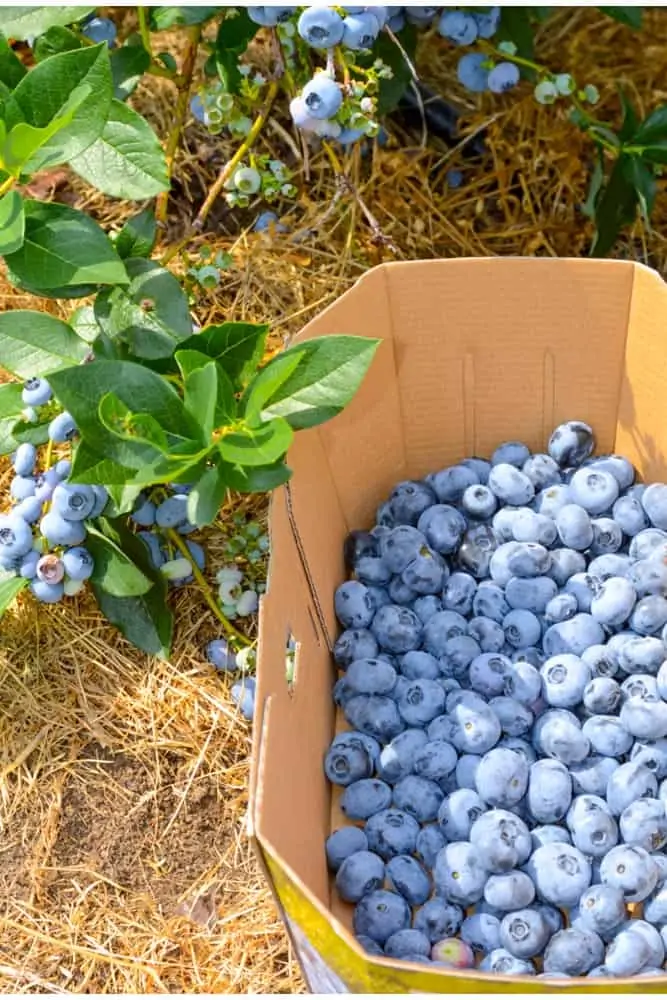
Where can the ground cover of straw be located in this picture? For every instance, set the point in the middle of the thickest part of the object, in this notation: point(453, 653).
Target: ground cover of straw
point(123, 780)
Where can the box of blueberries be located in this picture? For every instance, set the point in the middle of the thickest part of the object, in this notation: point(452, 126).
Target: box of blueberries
point(462, 784)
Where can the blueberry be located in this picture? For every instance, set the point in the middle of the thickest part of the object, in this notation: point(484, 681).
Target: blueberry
point(438, 919)
point(458, 812)
point(571, 443)
point(322, 96)
point(100, 29)
point(655, 906)
point(532, 594)
point(370, 947)
point(354, 644)
point(476, 550)
point(558, 734)
point(613, 603)
point(482, 932)
point(645, 718)
point(594, 830)
point(594, 489)
point(628, 783)
point(584, 588)
point(357, 545)
point(489, 672)
point(607, 736)
point(430, 840)
point(648, 543)
point(424, 607)
point(397, 758)
point(360, 31)
point(363, 798)
point(408, 942)
point(590, 777)
point(520, 746)
point(630, 869)
point(380, 913)
point(524, 933)
point(426, 573)
point(466, 769)
point(503, 77)
point(502, 963)
point(47, 593)
point(479, 502)
point(522, 628)
point(460, 874)
point(565, 562)
point(459, 592)
point(342, 843)
point(58, 531)
point(649, 615)
point(560, 873)
point(435, 760)
point(573, 951)
point(653, 755)
point(641, 654)
point(575, 528)
point(459, 27)
point(487, 633)
point(607, 536)
point(442, 627)
point(353, 605)
point(443, 527)
point(511, 452)
point(345, 764)
point(651, 937)
point(564, 680)
point(515, 719)
point(542, 471)
point(489, 602)
point(601, 909)
point(358, 875)
point(502, 777)
point(654, 502)
point(62, 428)
point(549, 834)
point(321, 28)
point(406, 876)
point(420, 701)
point(601, 659)
point(476, 728)
point(602, 696)
point(398, 629)
point(450, 484)
point(510, 485)
point(611, 564)
point(410, 499)
point(572, 636)
point(418, 797)
point(549, 791)
point(550, 500)
point(472, 72)
point(370, 676)
point(375, 715)
point(372, 571)
point(36, 392)
point(627, 954)
point(629, 515)
point(503, 840)
point(644, 824)
point(392, 832)
point(399, 593)
point(24, 459)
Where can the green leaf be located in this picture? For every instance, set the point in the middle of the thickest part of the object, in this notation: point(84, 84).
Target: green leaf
point(386, 49)
point(145, 621)
point(57, 39)
point(84, 324)
point(10, 588)
point(206, 497)
point(137, 237)
point(121, 499)
point(266, 383)
point(200, 396)
point(22, 23)
point(237, 346)
point(151, 315)
point(11, 403)
point(221, 406)
point(257, 445)
point(64, 247)
point(235, 32)
point(137, 428)
point(88, 466)
point(128, 65)
point(22, 151)
point(37, 434)
point(169, 17)
point(630, 119)
point(44, 94)
point(632, 16)
point(81, 390)
point(594, 187)
point(329, 373)
point(33, 344)
point(115, 572)
point(616, 207)
point(259, 479)
point(126, 161)
point(12, 69)
point(640, 175)
point(515, 26)
point(12, 222)
point(653, 129)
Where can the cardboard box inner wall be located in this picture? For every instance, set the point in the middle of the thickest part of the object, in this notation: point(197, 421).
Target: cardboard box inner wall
point(474, 352)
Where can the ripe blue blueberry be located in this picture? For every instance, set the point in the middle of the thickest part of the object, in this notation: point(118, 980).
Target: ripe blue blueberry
point(359, 874)
point(510, 485)
point(502, 777)
point(47, 593)
point(558, 734)
point(458, 27)
point(73, 502)
point(392, 832)
point(360, 30)
point(560, 873)
point(58, 531)
point(100, 29)
point(627, 954)
point(397, 757)
point(549, 791)
point(36, 392)
point(321, 28)
point(78, 563)
point(24, 459)
point(503, 77)
point(430, 841)
point(406, 876)
point(418, 797)
point(564, 680)
point(571, 443)
point(406, 943)
point(632, 870)
point(476, 550)
point(628, 783)
point(380, 913)
point(524, 933)
point(573, 951)
point(458, 812)
point(460, 874)
point(62, 428)
point(450, 484)
point(438, 919)
point(643, 823)
point(479, 502)
point(501, 963)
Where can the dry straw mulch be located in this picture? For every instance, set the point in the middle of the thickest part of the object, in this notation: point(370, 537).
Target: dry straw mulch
point(123, 860)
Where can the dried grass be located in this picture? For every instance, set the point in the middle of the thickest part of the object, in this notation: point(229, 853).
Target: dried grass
point(123, 860)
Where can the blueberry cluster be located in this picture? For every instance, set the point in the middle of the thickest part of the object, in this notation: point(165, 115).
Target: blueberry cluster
point(155, 517)
point(503, 672)
point(42, 535)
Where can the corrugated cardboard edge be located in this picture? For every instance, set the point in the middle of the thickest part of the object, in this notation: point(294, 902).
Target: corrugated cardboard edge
point(438, 982)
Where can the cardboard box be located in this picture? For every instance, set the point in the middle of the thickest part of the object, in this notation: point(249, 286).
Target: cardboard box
point(474, 352)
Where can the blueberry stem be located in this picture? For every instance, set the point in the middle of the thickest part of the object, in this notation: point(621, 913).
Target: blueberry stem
point(174, 140)
point(144, 29)
point(7, 185)
point(176, 540)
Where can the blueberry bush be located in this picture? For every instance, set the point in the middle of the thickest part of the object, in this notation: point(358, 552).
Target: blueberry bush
point(127, 426)
point(502, 672)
